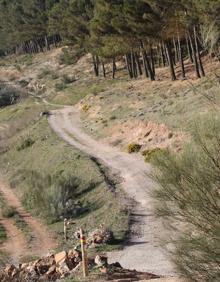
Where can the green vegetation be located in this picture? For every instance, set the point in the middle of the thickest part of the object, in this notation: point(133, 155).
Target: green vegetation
point(55, 180)
point(27, 142)
point(70, 56)
point(134, 148)
point(8, 95)
point(188, 201)
point(3, 234)
point(59, 86)
point(151, 154)
point(8, 211)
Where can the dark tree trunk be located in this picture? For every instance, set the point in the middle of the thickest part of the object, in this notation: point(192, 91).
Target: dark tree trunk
point(128, 65)
point(133, 64)
point(150, 72)
point(152, 61)
point(162, 55)
point(144, 63)
point(95, 65)
point(176, 58)
point(181, 58)
point(138, 63)
point(198, 52)
point(114, 68)
point(194, 57)
point(189, 50)
point(103, 69)
point(170, 60)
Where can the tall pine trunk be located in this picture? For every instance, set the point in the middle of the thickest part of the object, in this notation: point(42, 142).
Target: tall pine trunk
point(152, 61)
point(170, 60)
point(103, 69)
point(189, 50)
point(128, 65)
point(138, 63)
point(198, 52)
point(194, 56)
point(181, 58)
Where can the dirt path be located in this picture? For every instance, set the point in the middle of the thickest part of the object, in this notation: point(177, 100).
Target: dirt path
point(143, 252)
point(17, 245)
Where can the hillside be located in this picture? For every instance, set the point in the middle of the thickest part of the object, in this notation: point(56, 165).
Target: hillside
point(117, 113)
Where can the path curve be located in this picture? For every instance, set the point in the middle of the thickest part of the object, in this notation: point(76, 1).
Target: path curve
point(143, 251)
point(42, 242)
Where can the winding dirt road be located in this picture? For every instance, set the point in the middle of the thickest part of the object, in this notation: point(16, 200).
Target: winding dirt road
point(143, 251)
point(16, 245)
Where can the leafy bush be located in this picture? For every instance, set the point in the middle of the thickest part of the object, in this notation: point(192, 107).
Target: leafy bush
point(151, 154)
point(53, 196)
point(67, 79)
point(188, 200)
point(8, 211)
point(60, 86)
point(28, 142)
point(134, 148)
point(44, 73)
point(8, 95)
point(70, 56)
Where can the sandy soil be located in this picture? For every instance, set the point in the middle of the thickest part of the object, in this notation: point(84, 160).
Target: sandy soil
point(143, 251)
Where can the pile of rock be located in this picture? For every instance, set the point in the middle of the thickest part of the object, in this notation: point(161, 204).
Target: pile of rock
point(48, 268)
point(101, 235)
point(61, 265)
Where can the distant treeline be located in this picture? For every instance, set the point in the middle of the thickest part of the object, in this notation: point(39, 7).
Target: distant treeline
point(145, 33)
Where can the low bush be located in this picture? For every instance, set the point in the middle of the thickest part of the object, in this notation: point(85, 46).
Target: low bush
point(188, 202)
point(8, 95)
point(60, 86)
point(151, 154)
point(53, 196)
point(134, 148)
point(70, 56)
point(8, 211)
point(43, 73)
point(28, 142)
point(67, 79)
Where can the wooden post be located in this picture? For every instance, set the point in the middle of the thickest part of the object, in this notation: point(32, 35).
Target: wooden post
point(84, 254)
point(65, 229)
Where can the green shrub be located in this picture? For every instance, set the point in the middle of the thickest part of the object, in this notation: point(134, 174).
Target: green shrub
point(8, 211)
point(60, 86)
point(3, 234)
point(189, 202)
point(134, 148)
point(8, 95)
point(43, 73)
point(151, 154)
point(70, 56)
point(53, 196)
point(23, 82)
point(28, 142)
point(67, 79)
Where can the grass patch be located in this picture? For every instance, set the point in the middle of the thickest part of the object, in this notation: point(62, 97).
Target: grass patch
point(3, 234)
point(151, 154)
